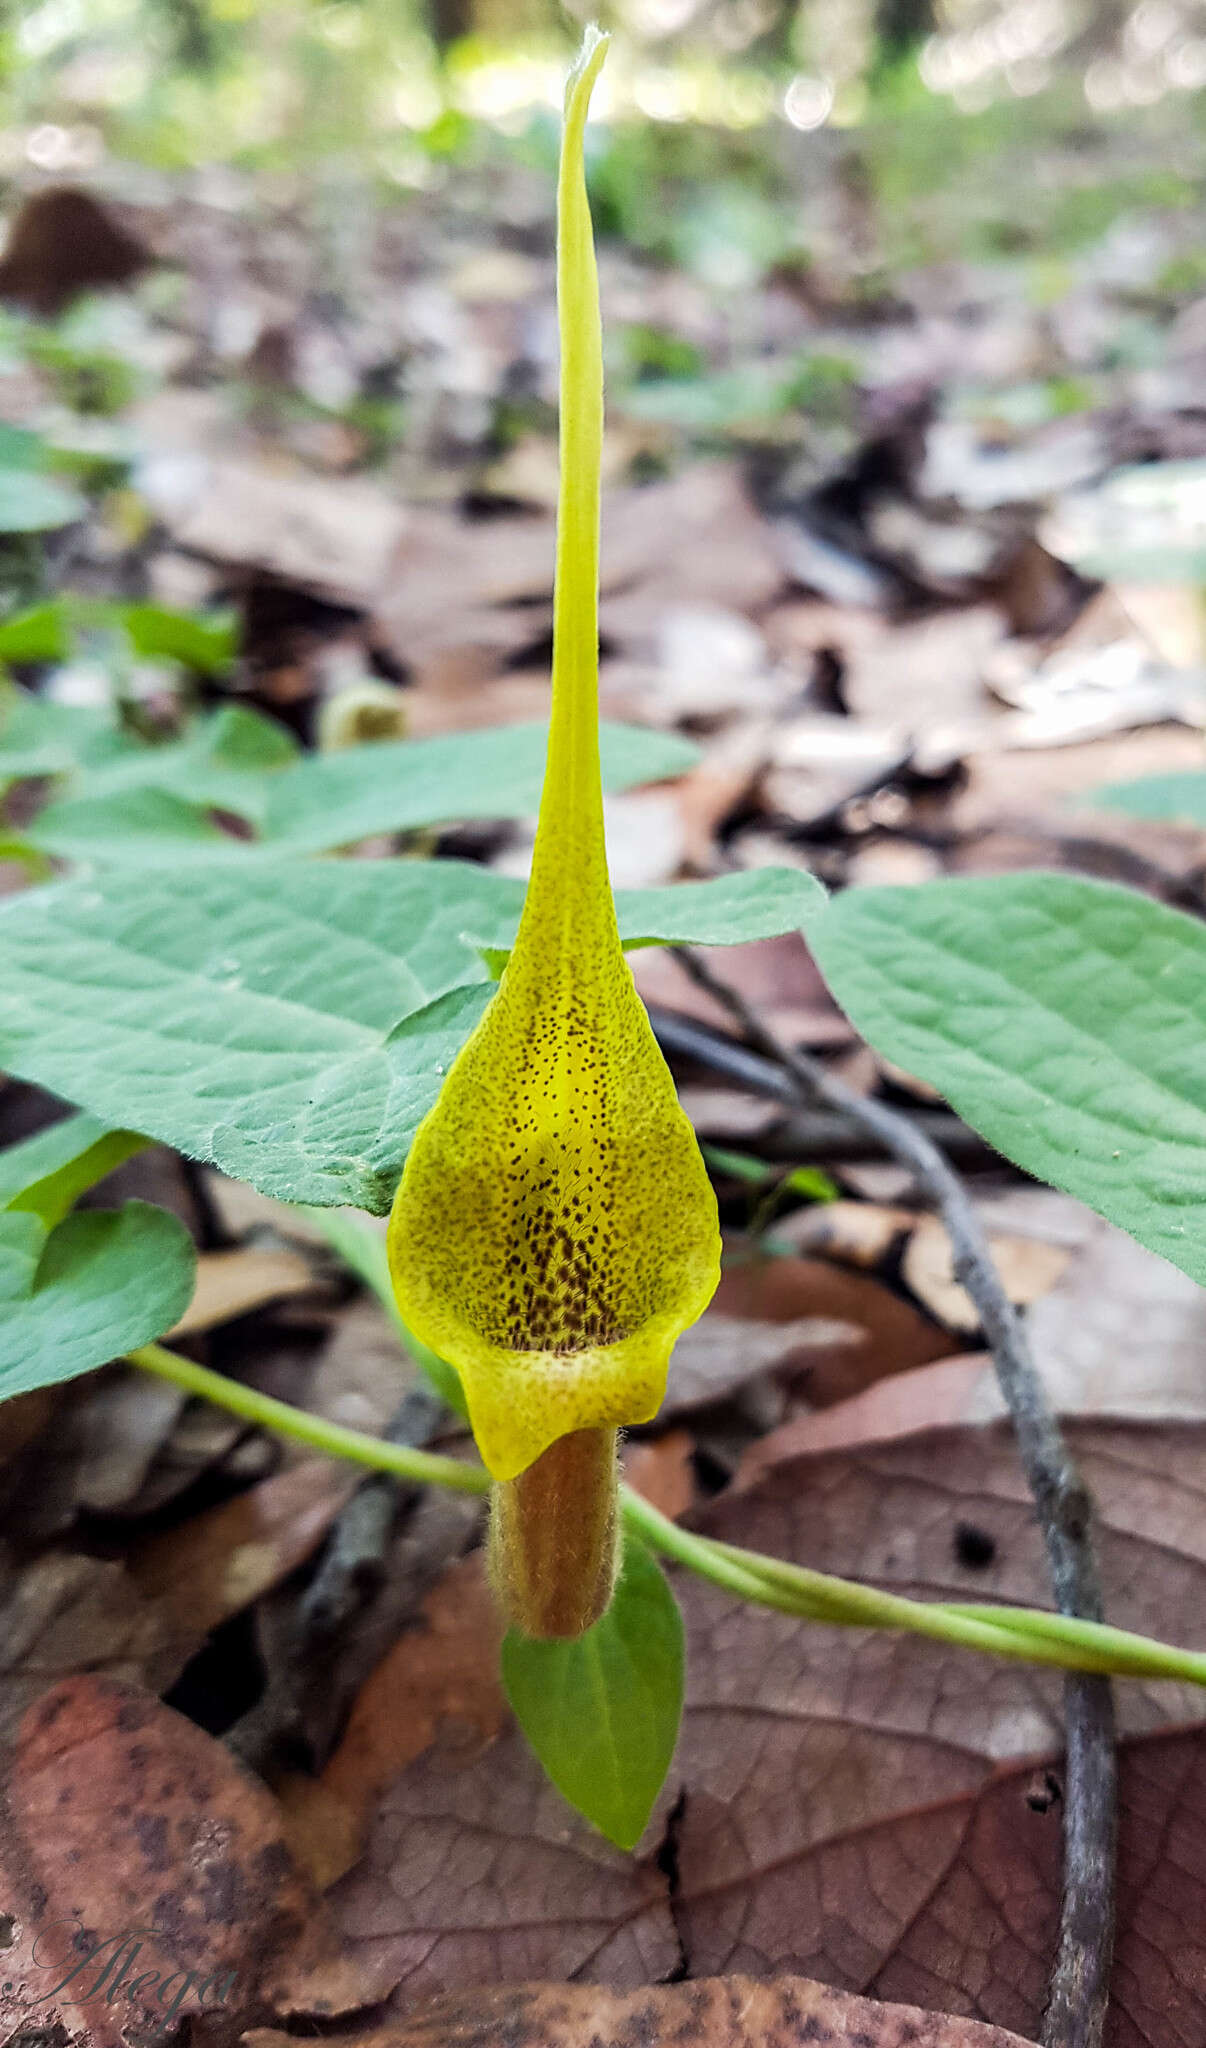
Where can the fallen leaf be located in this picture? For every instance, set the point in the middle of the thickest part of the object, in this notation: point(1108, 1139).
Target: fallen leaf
point(61, 1614)
point(827, 1328)
point(1027, 1268)
point(661, 1472)
point(858, 1806)
point(442, 1669)
point(716, 2012)
point(124, 1817)
point(1122, 1333)
point(232, 1283)
point(931, 1397)
point(363, 1372)
point(851, 1233)
point(337, 536)
point(219, 1562)
point(476, 1873)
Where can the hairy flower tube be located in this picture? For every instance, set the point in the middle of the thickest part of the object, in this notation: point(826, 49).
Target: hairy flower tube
point(554, 1231)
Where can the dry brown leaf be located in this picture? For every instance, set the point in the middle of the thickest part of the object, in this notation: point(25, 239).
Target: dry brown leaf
point(1028, 1269)
point(219, 1562)
point(476, 1873)
point(337, 536)
point(444, 1669)
point(232, 1283)
point(846, 1808)
point(106, 1437)
point(61, 1614)
point(1124, 1333)
point(717, 2012)
point(931, 1397)
point(123, 1816)
point(851, 1233)
point(874, 1810)
point(363, 1372)
point(1038, 784)
point(831, 1329)
point(661, 1472)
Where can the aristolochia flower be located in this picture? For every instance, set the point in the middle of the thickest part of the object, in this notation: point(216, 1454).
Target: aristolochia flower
point(555, 1230)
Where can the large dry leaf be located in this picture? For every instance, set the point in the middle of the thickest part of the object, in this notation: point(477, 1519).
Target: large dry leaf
point(338, 536)
point(442, 1670)
point(860, 1806)
point(122, 1816)
point(870, 1809)
point(716, 2012)
point(477, 1873)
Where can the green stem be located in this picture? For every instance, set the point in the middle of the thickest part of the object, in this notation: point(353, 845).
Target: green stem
point(1025, 1635)
point(427, 1467)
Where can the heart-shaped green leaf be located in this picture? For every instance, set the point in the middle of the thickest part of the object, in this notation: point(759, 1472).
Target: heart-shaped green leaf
point(321, 801)
point(602, 1712)
point(291, 1023)
point(1065, 1019)
point(102, 1283)
point(47, 1174)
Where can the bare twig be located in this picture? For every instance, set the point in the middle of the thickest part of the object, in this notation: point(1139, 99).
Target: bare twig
point(1079, 1992)
point(818, 1134)
point(382, 1554)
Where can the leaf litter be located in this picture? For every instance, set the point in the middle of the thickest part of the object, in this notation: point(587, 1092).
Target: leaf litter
point(888, 644)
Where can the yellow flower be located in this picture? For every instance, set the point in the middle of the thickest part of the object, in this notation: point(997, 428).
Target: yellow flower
point(555, 1231)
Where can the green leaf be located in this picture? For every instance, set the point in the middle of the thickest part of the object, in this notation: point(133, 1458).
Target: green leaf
point(402, 785)
point(237, 737)
point(223, 763)
point(602, 1713)
point(323, 801)
point(102, 1283)
point(39, 633)
point(21, 448)
point(249, 1016)
point(40, 737)
point(32, 503)
point(729, 911)
point(143, 823)
point(807, 1181)
point(1174, 799)
point(207, 645)
point(46, 1174)
point(1064, 1019)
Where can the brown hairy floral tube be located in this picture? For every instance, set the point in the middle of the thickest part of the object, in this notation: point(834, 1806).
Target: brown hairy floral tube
point(554, 1537)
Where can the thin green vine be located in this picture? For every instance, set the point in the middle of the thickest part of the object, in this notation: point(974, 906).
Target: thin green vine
point(1021, 1634)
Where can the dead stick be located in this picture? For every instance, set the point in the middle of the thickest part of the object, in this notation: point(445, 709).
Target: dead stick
point(1076, 2007)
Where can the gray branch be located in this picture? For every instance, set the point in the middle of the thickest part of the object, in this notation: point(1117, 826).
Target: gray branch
point(1079, 1992)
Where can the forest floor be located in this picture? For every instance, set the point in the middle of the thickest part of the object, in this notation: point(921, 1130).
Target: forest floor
point(909, 536)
